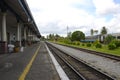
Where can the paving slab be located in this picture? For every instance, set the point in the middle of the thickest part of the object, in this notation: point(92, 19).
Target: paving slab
point(13, 64)
point(42, 67)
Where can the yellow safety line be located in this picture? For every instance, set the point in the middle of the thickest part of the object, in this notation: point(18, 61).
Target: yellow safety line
point(27, 68)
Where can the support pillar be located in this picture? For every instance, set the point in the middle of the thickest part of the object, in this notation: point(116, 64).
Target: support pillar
point(28, 34)
point(25, 38)
point(29, 37)
point(18, 42)
point(3, 42)
point(34, 38)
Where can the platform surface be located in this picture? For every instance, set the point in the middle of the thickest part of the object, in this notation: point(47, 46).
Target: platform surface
point(42, 68)
point(13, 65)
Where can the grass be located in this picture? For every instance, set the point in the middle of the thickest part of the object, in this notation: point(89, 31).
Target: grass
point(104, 48)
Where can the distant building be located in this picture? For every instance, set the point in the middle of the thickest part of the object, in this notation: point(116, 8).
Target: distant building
point(100, 37)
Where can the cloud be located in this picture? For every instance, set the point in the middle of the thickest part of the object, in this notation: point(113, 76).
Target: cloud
point(104, 7)
point(53, 16)
point(52, 28)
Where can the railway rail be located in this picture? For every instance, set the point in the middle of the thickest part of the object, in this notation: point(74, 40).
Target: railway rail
point(78, 70)
point(110, 56)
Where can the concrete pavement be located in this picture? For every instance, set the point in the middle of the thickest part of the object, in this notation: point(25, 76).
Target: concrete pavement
point(42, 68)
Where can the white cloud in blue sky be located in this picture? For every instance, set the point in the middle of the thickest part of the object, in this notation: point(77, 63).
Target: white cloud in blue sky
point(53, 16)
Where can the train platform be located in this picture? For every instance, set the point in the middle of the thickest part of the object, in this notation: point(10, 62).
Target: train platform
point(34, 63)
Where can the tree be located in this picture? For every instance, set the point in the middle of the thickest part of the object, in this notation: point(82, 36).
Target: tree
point(108, 39)
point(95, 31)
point(92, 32)
point(51, 36)
point(104, 30)
point(56, 37)
point(78, 36)
point(42, 38)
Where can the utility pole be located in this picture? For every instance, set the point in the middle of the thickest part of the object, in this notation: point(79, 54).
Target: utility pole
point(67, 31)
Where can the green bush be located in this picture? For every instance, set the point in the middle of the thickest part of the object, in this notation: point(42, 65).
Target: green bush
point(98, 45)
point(108, 38)
point(88, 45)
point(116, 42)
point(96, 42)
point(67, 41)
point(83, 44)
point(112, 46)
point(77, 43)
point(73, 43)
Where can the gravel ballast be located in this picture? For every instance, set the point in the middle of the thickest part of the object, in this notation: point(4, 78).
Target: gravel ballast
point(111, 67)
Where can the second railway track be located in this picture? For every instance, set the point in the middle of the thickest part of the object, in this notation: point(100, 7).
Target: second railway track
point(78, 69)
point(110, 56)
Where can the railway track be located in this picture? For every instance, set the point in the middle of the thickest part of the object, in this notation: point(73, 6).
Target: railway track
point(77, 69)
point(110, 56)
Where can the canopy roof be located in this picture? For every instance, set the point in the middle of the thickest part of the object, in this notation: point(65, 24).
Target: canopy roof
point(22, 12)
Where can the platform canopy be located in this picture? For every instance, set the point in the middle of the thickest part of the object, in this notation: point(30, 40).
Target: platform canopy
point(21, 11)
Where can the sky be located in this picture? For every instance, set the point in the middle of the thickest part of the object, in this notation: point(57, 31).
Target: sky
point(54, 16)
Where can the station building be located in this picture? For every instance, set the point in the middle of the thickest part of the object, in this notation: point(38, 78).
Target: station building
point(17, 25)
